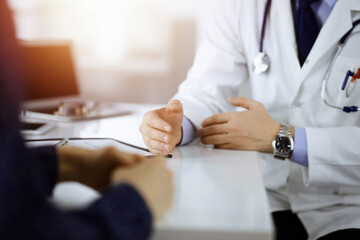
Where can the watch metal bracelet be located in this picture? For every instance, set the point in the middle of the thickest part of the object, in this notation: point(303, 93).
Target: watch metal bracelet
point(285, 131)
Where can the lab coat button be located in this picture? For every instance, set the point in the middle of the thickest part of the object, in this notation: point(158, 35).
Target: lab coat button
point(296, 105)
point(307, 61)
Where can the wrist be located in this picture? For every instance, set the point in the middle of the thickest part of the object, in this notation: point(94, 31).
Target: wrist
point(66, 168)
point(293, 137)
point(283, 144)
point(272, 135)
point(65, 171)
point(181, 137)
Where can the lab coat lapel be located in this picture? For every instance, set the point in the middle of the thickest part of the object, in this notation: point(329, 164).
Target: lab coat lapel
point(338, 23)
point(285, 30)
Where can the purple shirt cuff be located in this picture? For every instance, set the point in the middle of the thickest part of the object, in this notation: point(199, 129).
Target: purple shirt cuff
point(188, 131)
point(299, 154)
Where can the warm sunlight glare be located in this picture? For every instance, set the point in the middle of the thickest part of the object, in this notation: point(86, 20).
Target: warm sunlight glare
point(107, 30)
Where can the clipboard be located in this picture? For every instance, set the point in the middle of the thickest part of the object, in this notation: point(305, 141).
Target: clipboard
point(91, 144)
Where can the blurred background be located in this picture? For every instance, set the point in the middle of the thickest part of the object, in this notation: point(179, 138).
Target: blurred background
point(124, 50)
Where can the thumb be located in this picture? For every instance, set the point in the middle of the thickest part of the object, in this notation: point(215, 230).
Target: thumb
point(241, 102)
point(174, 106)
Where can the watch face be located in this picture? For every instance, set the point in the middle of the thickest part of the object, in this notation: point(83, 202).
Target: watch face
point(283, 145)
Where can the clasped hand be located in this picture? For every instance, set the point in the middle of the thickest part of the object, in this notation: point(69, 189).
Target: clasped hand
point(252, 129)
point(100, 169)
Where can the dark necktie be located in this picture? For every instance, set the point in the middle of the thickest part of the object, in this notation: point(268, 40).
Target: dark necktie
point(307, 28)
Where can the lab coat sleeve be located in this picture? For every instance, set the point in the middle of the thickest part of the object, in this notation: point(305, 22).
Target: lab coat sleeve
point(219, 67)
point(333, 157)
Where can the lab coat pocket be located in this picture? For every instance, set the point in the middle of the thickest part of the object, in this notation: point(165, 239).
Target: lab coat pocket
point(343, 87)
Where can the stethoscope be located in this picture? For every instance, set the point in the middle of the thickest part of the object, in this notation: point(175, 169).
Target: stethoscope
point(261, 64)
point(347, 86)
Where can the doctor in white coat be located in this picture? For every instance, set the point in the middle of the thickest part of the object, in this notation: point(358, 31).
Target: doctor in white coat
point(303, 98)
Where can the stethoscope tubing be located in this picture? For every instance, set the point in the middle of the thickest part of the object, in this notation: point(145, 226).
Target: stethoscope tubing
point(342, 41)
point(346, 36)
point(347, 109)
point(263, 28)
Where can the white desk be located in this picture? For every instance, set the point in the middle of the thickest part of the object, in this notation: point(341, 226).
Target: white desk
point(219, 194)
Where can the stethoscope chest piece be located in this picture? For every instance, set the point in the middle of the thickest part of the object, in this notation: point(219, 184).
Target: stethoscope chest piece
point(261, 63)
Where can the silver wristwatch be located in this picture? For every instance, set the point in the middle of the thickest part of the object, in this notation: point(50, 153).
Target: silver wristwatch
point(283, 144)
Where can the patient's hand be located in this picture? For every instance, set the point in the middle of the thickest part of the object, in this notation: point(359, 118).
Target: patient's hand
point(152, 179)
point(92, 167)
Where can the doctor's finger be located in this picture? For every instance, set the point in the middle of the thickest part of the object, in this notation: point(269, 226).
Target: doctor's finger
point(157, 147)
point(240, 102)
point(175, 106)
point(215, 139)
point(156, 134)
point(153, 120)
point(157, 152)
point(243, 102)
point(215, 119)
point(213, 130)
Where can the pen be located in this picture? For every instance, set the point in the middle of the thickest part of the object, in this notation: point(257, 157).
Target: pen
point(348, 74)
point(62, 142)
point(152, 156)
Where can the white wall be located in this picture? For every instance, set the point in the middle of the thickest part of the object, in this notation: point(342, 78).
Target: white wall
point(125, 50)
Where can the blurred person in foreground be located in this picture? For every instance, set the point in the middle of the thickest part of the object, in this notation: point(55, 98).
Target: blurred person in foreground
point(136, 190)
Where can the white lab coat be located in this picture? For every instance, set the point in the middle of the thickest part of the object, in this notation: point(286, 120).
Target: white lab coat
point(326, 195)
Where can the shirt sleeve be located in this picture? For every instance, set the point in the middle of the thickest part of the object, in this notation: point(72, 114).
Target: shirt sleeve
point(299, 154)
point(188, 132)
point(45, 165)
point(120, 214)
